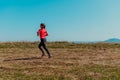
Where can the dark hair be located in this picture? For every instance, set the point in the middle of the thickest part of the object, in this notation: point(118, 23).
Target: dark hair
point(42, 24)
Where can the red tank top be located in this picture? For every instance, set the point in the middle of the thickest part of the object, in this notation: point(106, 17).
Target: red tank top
point(42, 33)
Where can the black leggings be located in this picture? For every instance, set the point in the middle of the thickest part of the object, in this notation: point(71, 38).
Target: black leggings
point(43, 44)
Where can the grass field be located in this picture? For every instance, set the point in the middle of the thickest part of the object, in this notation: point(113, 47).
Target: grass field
point(98, 61)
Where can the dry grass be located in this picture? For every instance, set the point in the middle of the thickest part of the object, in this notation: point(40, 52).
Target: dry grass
point(21, 61)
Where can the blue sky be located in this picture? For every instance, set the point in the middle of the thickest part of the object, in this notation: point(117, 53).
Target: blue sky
point(66, 20)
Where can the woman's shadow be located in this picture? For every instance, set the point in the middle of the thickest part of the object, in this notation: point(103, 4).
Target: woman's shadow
point(17, 59)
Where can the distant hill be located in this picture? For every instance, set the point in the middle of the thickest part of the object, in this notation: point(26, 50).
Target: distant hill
point(113, 40)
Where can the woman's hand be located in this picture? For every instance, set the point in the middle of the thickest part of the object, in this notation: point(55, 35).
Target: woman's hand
point(37, 33)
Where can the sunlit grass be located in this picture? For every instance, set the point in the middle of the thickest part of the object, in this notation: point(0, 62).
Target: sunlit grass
point(70, 61)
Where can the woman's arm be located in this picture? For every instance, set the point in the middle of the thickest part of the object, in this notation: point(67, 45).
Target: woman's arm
point(46, 33)
point(37, 33)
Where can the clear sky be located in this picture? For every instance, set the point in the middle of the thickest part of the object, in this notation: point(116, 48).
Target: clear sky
point(66, 20)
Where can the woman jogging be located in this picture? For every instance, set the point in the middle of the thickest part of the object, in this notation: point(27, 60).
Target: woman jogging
point(42, 33)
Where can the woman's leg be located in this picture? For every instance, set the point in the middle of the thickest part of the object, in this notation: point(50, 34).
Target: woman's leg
point(44, 46)
point(39, 46)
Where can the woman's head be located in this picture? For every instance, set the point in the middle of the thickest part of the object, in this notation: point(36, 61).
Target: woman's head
point(42, 25)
